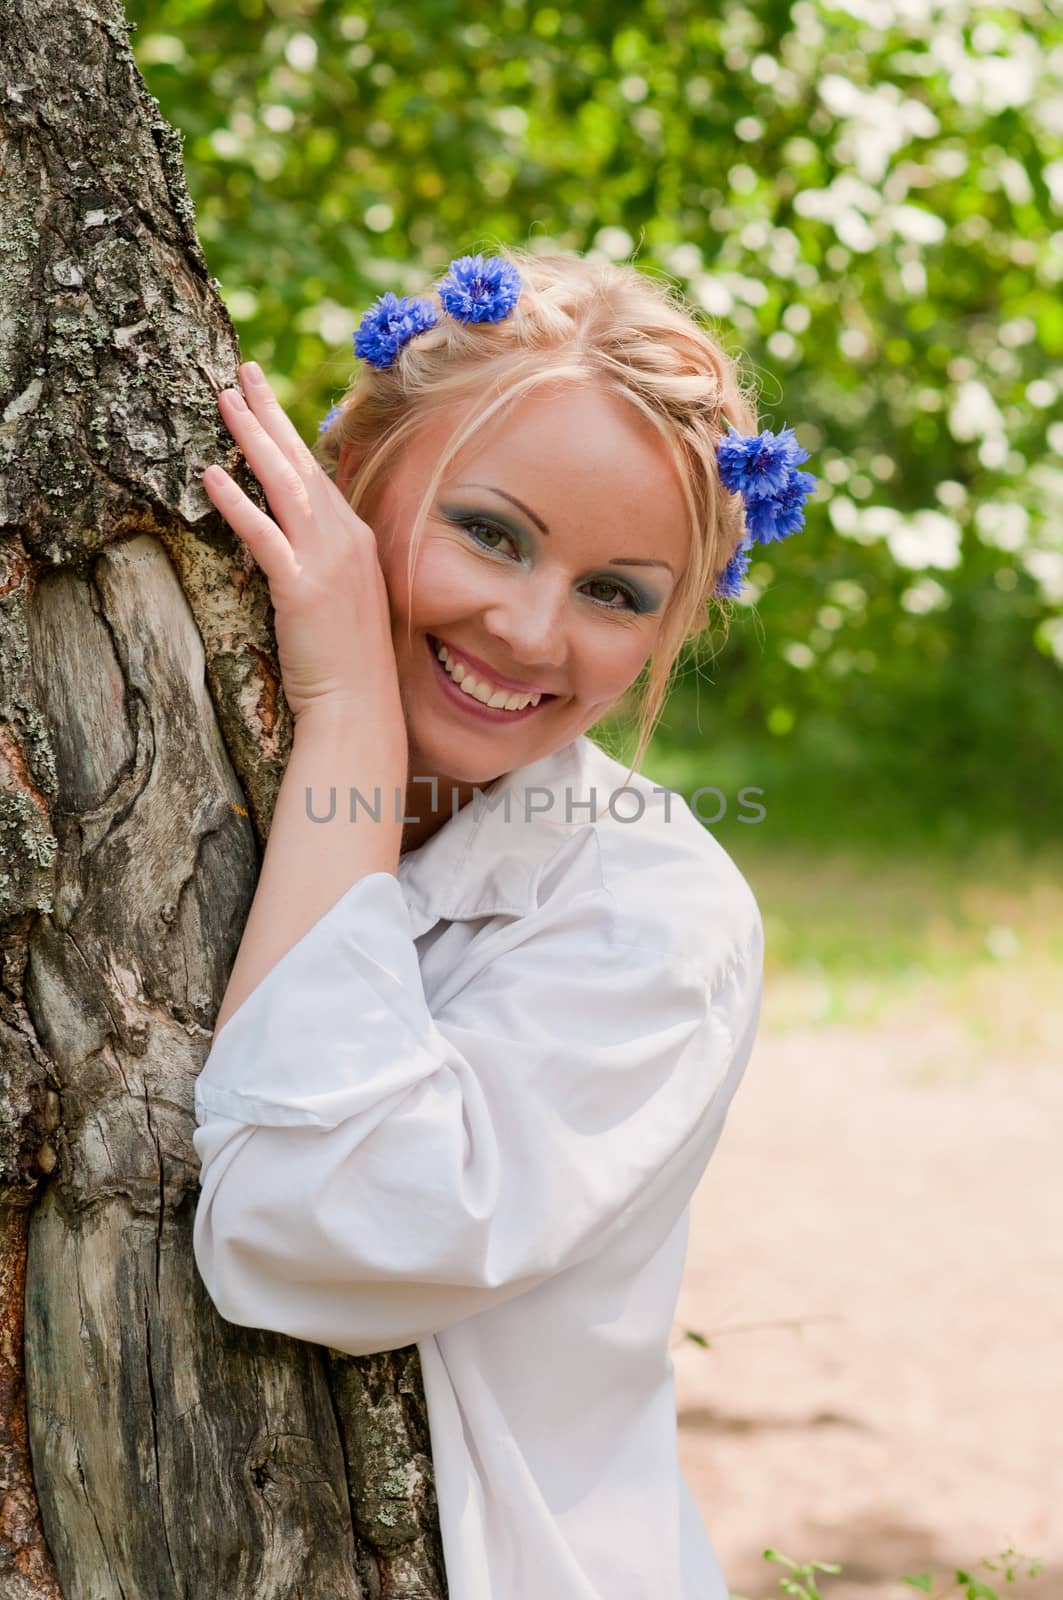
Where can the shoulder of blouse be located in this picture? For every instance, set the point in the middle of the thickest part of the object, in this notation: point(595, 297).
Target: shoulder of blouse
point(570, 822)
point(663, 879)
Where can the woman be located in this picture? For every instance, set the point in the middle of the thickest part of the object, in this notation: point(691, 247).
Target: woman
point(477, 1047)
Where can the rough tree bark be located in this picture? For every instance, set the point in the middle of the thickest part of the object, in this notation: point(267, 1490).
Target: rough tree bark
point(148, 1449)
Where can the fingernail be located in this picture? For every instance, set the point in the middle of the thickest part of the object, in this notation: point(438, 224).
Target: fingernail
point(254, 372)
point(235, 399)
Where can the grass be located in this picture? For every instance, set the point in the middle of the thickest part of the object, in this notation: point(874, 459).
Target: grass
point(850, 945)
point(868, 925)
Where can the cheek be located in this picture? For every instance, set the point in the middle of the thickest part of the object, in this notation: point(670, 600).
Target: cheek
point(617, 656)
point(394, 564)
point(446, 584)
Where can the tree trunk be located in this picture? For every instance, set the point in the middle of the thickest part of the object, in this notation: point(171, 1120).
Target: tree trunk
point(147, 1447)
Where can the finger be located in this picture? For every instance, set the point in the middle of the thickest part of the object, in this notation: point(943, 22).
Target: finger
point(268, 544)
point(304, 514)
point(274, 419)
point(284, 485)
point(276, 422)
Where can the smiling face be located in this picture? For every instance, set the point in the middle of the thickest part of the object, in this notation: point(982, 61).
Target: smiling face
point(546, 564)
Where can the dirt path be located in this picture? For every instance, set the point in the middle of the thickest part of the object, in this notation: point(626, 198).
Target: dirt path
point(875, 1177)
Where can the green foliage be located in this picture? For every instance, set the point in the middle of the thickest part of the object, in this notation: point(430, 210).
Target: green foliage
point(802, 1584)
point(869, 210)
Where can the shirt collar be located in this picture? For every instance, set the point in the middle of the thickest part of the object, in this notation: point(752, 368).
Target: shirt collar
point(485, 860)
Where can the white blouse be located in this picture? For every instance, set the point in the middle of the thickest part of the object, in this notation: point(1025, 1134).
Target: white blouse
point(467, 1110)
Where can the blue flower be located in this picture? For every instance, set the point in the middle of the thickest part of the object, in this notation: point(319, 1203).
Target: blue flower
point(731, 579)
point(764, 469)
point(783, 513)
point(388, 324)
point(329, 418)
point(480, 289)
point(760, 466)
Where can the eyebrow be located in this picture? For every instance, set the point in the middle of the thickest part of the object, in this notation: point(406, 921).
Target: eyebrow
point(533, 516)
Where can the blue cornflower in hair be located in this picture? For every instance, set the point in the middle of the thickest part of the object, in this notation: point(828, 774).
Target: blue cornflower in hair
point(730, 581)
point(329, 418)
point(783, 513)
point(480, 288)
point(764, 468)
point(760, 466)
point(388, 324)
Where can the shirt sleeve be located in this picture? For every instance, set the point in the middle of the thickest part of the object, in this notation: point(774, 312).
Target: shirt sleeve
point(372, 1173)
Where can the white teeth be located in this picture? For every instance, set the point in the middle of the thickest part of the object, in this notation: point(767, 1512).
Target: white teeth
point(486, 693)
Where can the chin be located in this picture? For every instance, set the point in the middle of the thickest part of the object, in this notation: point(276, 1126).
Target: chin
point(478, 760)
point(455, 762)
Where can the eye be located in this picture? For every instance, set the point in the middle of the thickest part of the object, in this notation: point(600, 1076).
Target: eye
point(627, 595)
point(475, 522)
point(618, 588)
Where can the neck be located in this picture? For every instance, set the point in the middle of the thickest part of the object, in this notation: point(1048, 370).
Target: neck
point(450, 798)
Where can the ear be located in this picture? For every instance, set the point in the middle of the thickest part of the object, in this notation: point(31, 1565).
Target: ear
point(346, 468)
point(350, 459)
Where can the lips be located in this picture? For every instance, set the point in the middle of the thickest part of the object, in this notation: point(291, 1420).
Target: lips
point(482, 672)
point(469, 703)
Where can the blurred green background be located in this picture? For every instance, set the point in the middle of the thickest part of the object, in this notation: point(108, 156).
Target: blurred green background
point(868, 204)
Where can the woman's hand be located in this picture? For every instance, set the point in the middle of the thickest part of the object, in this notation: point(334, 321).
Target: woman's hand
point(332, 617)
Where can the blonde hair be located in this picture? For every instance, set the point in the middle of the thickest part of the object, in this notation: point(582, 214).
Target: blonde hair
point(582, 321)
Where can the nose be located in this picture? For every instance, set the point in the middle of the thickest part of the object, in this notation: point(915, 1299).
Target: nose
point(530, 626)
